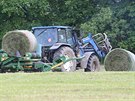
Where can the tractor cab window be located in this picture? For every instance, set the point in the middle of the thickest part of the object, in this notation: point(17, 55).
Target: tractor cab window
point(69, 37)
point(62, 35)
point(46, 37)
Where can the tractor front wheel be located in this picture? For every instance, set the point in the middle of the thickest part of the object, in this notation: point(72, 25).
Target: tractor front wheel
point(93, 64)
point(68, 53)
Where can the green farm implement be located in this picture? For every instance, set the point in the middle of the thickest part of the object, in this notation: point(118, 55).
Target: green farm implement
point(29, 63)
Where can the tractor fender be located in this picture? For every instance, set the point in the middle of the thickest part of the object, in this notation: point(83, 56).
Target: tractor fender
point(84, 61)
point(58, 45)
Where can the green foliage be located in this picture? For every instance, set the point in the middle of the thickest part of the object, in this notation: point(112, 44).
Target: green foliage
point(114, 17)
point(118, 22)
point(21, 14)
point(98, 22)
point(122, 26)
point(71, 12)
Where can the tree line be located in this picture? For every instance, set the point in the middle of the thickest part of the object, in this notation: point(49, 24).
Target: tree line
point(116, 18)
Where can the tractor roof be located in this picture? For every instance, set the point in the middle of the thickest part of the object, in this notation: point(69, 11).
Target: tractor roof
point(40, 27)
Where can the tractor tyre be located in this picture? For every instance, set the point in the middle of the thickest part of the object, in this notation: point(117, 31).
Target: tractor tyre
point(68, 53)
point(93, 64)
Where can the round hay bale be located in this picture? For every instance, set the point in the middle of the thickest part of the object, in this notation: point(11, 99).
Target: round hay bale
point(120, 60)
point(19, 40)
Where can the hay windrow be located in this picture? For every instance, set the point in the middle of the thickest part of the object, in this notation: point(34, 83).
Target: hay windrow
point(19, 40)
point(120, 60)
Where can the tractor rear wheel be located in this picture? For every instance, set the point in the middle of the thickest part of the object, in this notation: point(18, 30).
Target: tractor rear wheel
point(68, 53)
point(93, 64)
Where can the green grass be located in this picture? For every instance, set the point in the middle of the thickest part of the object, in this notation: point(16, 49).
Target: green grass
point(78, 86)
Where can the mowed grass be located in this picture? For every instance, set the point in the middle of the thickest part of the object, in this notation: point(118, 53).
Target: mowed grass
point(77, 86)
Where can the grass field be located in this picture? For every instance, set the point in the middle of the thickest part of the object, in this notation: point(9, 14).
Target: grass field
point(78, 86)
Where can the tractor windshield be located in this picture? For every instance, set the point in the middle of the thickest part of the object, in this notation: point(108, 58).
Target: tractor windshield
point(46, 37)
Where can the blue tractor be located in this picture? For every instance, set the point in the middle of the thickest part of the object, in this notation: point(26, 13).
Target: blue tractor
point(56, 41)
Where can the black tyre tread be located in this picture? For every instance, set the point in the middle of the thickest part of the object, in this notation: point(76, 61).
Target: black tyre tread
point(89, 64)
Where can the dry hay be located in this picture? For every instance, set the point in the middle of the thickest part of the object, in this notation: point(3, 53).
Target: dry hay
point(19, 40)
point(120, 60)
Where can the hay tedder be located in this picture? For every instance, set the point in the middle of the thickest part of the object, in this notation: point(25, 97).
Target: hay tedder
point(50, 48)
point(29, 63)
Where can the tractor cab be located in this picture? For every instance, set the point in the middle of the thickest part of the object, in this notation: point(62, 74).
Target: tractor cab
point(51, 38)
point(49, 35)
